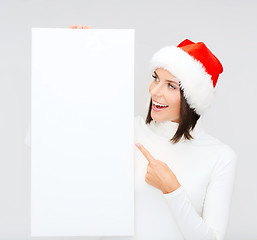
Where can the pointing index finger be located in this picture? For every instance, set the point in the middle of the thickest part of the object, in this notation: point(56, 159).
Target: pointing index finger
point(146, 153)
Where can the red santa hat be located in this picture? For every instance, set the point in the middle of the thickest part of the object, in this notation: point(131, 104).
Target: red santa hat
point(197, 69)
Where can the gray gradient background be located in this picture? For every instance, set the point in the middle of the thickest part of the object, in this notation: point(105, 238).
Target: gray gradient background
point(228, 28)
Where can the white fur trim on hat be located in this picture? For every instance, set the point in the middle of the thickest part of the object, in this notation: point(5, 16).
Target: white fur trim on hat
point(194, 80)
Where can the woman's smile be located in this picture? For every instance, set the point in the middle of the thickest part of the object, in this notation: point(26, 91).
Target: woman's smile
point(157, 108)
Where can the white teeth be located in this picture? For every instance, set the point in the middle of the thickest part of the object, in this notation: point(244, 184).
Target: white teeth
point(155, 103)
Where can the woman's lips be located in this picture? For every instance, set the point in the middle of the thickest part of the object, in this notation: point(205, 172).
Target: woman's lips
point(158, 102)
point(157, 109)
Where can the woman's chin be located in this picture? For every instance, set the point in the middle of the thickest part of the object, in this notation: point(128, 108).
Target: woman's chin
point(155, 116)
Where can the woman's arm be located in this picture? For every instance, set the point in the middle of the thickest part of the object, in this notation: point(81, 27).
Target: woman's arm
point(213, 223)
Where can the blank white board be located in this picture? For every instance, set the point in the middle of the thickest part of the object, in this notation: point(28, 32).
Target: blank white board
point(82, 132)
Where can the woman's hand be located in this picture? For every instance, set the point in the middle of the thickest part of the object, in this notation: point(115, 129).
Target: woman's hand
point(73, 26)
point(159, 174)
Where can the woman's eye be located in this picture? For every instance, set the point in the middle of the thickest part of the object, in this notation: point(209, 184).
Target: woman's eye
point(154, 76)
point(168, 83)
point(171, 85)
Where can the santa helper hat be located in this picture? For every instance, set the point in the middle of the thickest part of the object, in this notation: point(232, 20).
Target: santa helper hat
point(197, 69)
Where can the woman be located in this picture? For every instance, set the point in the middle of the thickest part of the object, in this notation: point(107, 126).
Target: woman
point(184, 177)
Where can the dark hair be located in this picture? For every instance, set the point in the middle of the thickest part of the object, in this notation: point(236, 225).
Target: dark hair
point(187, 122)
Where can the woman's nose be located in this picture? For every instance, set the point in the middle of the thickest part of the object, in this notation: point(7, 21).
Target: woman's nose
point(157, 90)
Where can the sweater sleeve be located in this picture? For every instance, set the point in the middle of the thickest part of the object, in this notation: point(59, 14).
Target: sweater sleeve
point(214, 220)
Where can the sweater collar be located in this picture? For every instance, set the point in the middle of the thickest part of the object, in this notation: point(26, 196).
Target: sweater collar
point(167, 129)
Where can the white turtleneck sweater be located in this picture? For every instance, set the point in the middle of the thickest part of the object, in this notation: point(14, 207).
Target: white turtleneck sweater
point(205, 167)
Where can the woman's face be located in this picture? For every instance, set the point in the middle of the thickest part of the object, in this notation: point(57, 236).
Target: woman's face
point(165, 90)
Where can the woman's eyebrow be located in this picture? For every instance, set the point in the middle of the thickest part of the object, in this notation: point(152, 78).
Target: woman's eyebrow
point(167, 80)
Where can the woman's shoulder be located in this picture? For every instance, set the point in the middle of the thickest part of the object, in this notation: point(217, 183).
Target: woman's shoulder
point(224, 150)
